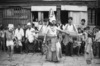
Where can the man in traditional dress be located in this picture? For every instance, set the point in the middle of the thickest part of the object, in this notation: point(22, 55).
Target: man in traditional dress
point(71, 31)
point(10, 38)
point(19, 34)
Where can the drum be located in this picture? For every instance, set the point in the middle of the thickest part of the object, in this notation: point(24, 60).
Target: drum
point(73, 34)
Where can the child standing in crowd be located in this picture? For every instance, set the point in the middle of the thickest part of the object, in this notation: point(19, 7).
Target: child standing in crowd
point(78, 41)
point(88, 47)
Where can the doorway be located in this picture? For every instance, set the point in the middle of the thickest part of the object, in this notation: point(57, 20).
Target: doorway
point(34, 16)
point(64, 17)
point(98, 17)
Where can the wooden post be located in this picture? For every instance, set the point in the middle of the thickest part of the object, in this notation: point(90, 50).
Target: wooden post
point(58, 14)
point(39, 16)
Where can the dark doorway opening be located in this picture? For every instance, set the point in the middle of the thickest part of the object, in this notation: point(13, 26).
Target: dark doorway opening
point(35, 15)
point(98, 17)
point(64, 17)
point(46, 15)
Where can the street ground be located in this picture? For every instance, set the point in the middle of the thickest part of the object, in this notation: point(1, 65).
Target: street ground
point(36, 59)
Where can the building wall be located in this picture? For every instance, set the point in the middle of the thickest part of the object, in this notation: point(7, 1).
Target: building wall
point(26, 4)
point(15, 16)
point(1, 13)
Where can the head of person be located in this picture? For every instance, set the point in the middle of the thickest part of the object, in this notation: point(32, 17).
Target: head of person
point(33, 25)
point(83, 22)
point(70, 19)
point(54, 22)
point(87, 29)
point(97, 29)
point(40, 22)
point(19, 26)
point(79, 30)
point(10, 27)
point(29, 25)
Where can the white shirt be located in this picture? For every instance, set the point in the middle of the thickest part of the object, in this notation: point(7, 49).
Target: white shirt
point(70, 28)
point(44, 29)
point(30, 35)
point(19, 33)
point(97, 37)
point(82, 26)
point(39, 27)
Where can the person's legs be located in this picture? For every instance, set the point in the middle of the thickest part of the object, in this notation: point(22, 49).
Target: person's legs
point(10, 51)
point(20, 49)
point(4, 45)
point(67, 49)
point(99, 49)
point(71, 48)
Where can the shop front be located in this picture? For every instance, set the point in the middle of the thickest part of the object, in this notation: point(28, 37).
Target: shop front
point(34, 11)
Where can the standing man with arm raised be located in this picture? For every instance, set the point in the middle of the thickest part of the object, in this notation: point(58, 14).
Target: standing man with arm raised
point(71, 32)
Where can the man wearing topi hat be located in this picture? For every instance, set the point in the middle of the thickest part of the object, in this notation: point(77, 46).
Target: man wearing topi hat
point(9, 41)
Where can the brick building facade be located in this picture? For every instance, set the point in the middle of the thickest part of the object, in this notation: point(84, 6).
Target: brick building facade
point(23, 11)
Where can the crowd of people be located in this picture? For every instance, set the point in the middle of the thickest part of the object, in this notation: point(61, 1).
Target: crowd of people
point(52, 39)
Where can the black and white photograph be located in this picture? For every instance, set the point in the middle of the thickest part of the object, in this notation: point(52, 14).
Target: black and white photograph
point(49, 32)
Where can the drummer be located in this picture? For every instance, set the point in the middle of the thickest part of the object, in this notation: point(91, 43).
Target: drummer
point(70, 28)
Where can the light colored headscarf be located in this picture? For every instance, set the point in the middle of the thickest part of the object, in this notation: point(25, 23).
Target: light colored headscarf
point(10, 26)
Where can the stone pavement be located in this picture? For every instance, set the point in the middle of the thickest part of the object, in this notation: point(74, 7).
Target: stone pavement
point(37, 59)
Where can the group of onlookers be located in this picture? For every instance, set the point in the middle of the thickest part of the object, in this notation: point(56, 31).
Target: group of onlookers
point(53, 38)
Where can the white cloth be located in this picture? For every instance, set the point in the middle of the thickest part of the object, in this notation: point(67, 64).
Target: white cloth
point(9, 43)
point(30, 34)
point(39, 27)
point(70, 28)
point(44, 29)
point(29, 23)
point(19, 43)
point(19, 33)
point(90, 40)
point(97, 36)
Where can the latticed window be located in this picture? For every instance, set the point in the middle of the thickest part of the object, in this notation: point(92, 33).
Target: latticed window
point(15, 15)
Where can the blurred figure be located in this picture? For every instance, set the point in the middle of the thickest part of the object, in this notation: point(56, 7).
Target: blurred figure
point(88, 47)
point(82, 25)
point(19, 34)
point(97, 40)
point(53, 46)
point(2, 39)
point(30, 36)
point(10, 37)
point(70, 31)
